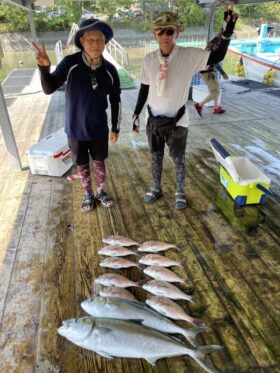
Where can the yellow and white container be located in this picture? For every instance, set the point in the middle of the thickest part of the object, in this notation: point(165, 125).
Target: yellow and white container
point(244, 182)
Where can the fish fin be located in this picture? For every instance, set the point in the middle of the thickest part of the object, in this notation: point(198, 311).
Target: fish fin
point(103, 330)
point(205, 366)
point(104, 354)
point(151, 360)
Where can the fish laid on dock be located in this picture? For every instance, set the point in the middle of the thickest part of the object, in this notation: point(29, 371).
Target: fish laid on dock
point(118, 338)
point(120, 241)
point(167, 290)
point(113, 250)
point(118, 263)
point(117, 292)
point(156, 246)
point(171, 309)
point(114, 279)
point(114, 308)
point(165, 274)
point(160, 260)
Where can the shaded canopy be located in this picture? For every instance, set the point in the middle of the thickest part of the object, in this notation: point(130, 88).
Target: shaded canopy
point(218, 3)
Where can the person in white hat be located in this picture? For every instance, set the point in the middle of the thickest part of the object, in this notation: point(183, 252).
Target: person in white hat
point(90, 80)
point(165, 82)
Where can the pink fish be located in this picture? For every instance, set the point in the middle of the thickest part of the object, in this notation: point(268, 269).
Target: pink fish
point(117, 263)
point(171, 309)
point(114, 279)
point(117, 292)
point(167, 290)
point(120, 241)
point(155, 246)
point(160, 260)
point(164, 274)
point(113, 250)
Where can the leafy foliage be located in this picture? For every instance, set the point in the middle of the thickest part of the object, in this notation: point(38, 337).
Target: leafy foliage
point(117, 12)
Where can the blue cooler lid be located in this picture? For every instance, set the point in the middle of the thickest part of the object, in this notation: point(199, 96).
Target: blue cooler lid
point(224, 159)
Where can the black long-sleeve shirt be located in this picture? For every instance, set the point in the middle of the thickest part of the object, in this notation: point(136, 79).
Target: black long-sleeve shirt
point(85, 108)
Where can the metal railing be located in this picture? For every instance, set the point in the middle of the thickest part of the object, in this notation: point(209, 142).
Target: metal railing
point(58, 51)
point(119, 54)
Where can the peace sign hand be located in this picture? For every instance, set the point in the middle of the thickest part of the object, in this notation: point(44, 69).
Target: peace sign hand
point(41, 54)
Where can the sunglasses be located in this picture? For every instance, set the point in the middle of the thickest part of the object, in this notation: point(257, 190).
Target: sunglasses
point(166, 31)
point(93, 80)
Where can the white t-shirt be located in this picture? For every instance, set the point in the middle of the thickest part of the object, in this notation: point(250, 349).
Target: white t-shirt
point(184, 63)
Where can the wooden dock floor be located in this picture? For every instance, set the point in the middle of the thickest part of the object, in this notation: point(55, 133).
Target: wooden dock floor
point(48, 247)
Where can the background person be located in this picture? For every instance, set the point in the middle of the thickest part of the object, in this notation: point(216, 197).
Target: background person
point(209, 76)
point(90, 79)
point(165, 82)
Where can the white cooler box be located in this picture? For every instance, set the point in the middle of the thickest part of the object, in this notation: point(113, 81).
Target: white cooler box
point(51, 156)
point(199, 92)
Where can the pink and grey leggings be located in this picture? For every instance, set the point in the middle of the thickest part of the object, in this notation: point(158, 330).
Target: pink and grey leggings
point(98, 150)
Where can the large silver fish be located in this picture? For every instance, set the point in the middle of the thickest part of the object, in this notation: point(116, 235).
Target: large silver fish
point(156, 246)
point(114, 308)
point(117, 263)
point(114, 279)
point(117, 338)
point(169, 308)
point(117, 292)
point(164, 274)
point(113, 250)
point(163, 288)
point(160, 260)
point(120, 241)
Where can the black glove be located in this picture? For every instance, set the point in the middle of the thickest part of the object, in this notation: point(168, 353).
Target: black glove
point(136, 123)
point(230, 19)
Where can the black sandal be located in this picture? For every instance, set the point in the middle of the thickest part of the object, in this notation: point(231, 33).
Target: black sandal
point(105, 200)
point(153, 195)
point(88, 203)
point(180, 201)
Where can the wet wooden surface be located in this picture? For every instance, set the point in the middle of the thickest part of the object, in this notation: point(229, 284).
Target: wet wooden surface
point(48, 247)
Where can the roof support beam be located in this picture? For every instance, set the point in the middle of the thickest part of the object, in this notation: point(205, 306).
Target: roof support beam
point(8, 134)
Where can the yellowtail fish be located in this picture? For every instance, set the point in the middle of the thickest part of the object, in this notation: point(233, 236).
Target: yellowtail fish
point(114, 279)
point(120, 241)
point(164, 274)
point(156, 246)
point(171, 309)
point(117, 292)
point(119, 338)
point(112, 250)
point(165, 289)
point(160, 260)
point(115, 308)
point(117, 263)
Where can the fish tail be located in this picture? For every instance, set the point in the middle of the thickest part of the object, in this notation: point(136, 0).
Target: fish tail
point(205, 366)
point(183, 263)
point(190, 298)
point(194, 321)
point(199, 353)
point(187, 282)
point(140, 283)
point(204, 350)
point(191, 333)
point(178, 248)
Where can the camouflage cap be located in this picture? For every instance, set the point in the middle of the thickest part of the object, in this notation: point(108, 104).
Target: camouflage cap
point(167, 19)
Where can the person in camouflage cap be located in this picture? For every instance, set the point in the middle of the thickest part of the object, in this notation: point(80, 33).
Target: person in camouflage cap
point(165, 81)
point(167, 19)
